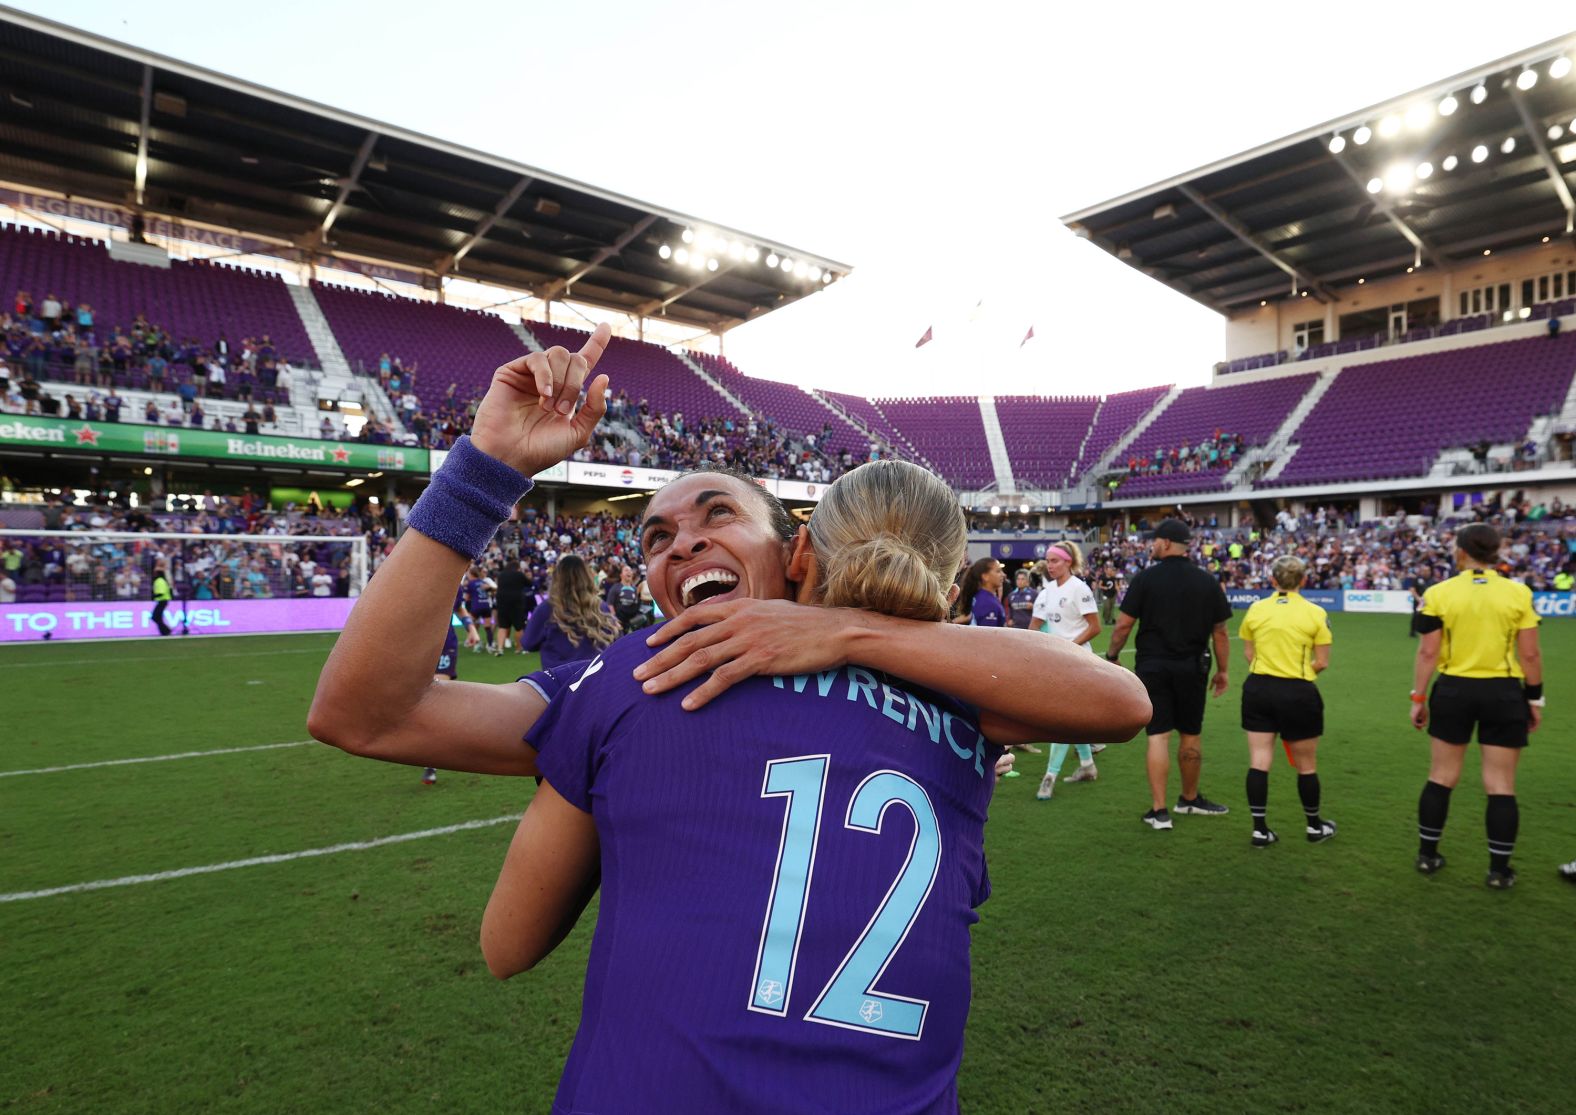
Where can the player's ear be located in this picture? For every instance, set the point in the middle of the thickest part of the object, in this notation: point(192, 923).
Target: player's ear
point(952, 594)
point(802, 571)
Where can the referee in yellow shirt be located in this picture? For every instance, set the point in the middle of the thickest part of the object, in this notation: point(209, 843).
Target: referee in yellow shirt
point(1287, 642)
point(1480, 630)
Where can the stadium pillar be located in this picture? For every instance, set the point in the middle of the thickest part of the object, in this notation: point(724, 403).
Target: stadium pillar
point(552, 506)
point(1330, 322)
point(640, 327)
point(1446, 297)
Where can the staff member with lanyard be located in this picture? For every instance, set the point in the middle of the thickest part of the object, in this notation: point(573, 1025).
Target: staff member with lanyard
point(1480, 630)
point(1180, 610)
point(1286, 639)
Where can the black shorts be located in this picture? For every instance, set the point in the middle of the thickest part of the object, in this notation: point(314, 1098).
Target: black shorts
point(1289, 707)
point(1176, 697)
point(480, 614)
point(511, 613)
point(1497, 707)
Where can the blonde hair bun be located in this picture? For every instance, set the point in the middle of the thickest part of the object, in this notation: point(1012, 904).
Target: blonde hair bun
point(888, 575)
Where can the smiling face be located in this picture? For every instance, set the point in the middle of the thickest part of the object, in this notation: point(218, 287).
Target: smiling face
point(707, 537)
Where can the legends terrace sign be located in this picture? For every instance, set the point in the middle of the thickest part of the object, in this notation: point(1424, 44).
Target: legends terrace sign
point(175, 441)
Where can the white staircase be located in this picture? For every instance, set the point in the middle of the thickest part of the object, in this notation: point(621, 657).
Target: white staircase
point(1000, 462)
point(1128, 438)
point(1072, 470)
point(526, 337)
point(329, 356)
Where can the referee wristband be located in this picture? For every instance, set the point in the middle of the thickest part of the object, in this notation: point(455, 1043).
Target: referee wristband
point(1534, 692)
point(1418, 698)
point(469, 498)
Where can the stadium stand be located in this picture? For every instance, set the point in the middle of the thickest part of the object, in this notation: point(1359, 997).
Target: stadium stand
point(1244, 415)
point(947, 431)
point(1117, 415)
point(446, 344)
point(645, 372)
point(791, 407)
point(870, 414)
point(1044, 435)
point(1393, 418)
point(191, 299)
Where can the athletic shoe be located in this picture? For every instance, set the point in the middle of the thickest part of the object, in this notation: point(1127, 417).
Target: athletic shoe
point(1097, 748)
point(1501, 880)
point(1084, 774)
point(1047, 788)
point(1264, 839)
point(1568, 871)
point(1427, 865)
point(429, 776)
point(1157, 819)
point(1318, 834)
point(1202, 807)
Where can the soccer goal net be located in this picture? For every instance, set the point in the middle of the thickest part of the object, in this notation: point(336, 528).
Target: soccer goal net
point(86, 584)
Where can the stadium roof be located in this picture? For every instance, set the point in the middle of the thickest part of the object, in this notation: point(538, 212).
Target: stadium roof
point(1296, 214)
point(81, 114)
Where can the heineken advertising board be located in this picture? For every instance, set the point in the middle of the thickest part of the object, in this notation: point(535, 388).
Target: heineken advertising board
point(176, 441)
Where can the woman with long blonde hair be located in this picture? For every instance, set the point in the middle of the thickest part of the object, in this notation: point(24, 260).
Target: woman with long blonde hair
point(573, 623)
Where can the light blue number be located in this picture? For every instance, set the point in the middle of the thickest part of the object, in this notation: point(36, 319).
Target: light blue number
point(803, 782)
point(850, 999)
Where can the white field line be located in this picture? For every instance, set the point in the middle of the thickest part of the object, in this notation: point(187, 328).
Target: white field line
point(155, 758)
point(140, 658)
point(256, 861)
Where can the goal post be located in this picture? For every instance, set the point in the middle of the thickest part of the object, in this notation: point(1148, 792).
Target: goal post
point(81, 584)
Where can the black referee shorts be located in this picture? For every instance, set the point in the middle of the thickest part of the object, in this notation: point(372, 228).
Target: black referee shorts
point(1289, 707)
point(1176, 696)
point(1496, 707)
point(511, 611)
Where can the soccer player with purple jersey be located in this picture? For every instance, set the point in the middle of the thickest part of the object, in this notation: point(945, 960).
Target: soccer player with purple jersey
point(377, 698)
point(789, 873)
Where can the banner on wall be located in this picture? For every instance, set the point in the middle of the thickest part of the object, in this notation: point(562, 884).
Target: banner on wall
point(115, 216)
point(1389, 601)
point(1331, 600)
point(77, 436)
point(1554, 604)
point(25, 623)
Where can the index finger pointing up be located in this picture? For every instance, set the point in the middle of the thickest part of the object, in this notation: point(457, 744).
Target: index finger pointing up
point(593, 349)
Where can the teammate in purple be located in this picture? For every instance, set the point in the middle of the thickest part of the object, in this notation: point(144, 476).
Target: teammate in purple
point(449, 662)
point(980, 595)
point(789, 873)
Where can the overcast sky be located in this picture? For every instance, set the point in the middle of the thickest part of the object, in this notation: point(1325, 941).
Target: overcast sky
point(932, 146)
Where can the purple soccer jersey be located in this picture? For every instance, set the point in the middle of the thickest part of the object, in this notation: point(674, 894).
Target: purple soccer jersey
point(788, 880)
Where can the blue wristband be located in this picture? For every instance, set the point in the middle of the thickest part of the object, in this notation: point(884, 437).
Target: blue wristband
point(469, 498)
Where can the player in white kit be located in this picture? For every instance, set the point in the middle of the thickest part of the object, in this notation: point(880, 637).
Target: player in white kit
point(1066, 608)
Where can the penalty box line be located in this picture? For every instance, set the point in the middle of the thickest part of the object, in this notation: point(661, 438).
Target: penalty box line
point(155, 758)
point(257, 861)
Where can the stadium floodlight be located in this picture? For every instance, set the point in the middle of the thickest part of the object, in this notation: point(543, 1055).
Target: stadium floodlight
point(1375, 185)
point(826, 277)
point(771, 259)
point(1525, 313)
point(681, 256)
point(996, 510)
point(735, 250)
point(788, 266)
point(1264, 301)
point(1362, 135)
point(752, 254)
point(697, 261)
point(1360, 282)
point(1479, 153)
point(664, 251)
point(1398, 178)
point(1526, 79)
point(1508, 315)
point(711, 263)
point(1488, 251)
point(1479, 93)
point(688, 236)
point(1425, 170)
point(1389, 126)
point(1509, 145)
point(1450, 163)
point(801, 269)
point(1559, 67)
point(1555, 132)
point(1418, 116)
point(1449, 105)
point(815, 274)
point(1023, 508)
point(1337, 145)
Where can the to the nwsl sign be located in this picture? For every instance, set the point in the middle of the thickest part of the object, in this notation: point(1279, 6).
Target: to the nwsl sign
point(21, 623)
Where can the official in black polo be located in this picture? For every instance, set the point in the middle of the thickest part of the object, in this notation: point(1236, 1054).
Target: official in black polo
point(1180, 610)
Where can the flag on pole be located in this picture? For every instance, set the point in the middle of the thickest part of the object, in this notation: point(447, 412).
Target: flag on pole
point(1027, 337)
point(927, 338)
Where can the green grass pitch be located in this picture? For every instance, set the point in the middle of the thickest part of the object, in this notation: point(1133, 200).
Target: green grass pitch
point(1116, 969)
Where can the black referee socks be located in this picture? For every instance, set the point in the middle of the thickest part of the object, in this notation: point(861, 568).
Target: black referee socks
point(1258, 798)
point(1501, 819)
point(1308, 791)
point(1432, 809)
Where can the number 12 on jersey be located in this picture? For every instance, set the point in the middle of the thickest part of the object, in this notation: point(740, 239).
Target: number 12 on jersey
point(849, 999)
